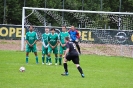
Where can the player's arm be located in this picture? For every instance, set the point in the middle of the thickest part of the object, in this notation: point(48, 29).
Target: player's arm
point(60, 39)
point(57, 41)
point(34, 42)
point(67, 50)
point(36, 37)
point(68, 35)
point(77, 36)
point(28, 42)
point(26, 39)
point(43, 43)
point(49, 42)
point(46, 46)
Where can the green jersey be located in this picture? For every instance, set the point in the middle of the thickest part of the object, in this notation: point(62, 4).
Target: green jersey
point(45, 38)
point(62, 36)
point(53, 38)
point(31, 37)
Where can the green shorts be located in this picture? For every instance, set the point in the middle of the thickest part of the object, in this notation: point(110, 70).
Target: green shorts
point(62, 49)
point(44, 50)
point(55, 50)
point(31, 49)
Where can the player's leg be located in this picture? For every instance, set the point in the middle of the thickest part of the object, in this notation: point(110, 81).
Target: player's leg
point(36, 56)
point(78, 47)
point(28, 49)
point(49, 58)
point(60, 59)
point(80, 70)
point(61, 52)
point(49, 55)
point(56, 59)
point(43, 57)
point(43, 54)
point(55, 51)
point(27, 56)
point(65, 66)
point(76, 62)
point(34, 49)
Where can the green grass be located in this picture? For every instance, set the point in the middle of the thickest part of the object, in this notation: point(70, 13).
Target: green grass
point(100, 72)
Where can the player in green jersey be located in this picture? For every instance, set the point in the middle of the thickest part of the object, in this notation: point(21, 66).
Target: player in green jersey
point(53, 42)
point(31, 39)
point(45, 45)
point(62, 37)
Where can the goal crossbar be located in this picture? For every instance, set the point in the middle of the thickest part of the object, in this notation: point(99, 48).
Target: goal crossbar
point(84, 11)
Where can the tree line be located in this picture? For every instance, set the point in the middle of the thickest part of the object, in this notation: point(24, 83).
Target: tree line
point(13, 8)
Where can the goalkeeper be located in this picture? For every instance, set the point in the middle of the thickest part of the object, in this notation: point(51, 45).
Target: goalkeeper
point(74, 37)
point(45, 45)
point(62, 36)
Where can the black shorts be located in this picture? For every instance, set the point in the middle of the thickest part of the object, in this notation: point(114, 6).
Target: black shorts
point(75, 59)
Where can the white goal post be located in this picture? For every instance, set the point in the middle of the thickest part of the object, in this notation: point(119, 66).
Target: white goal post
point(60, 10)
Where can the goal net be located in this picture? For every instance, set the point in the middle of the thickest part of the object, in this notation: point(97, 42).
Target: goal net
point(102, 33)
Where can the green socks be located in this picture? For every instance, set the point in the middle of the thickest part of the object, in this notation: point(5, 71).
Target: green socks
point(56, 59)
point(43, 59)
point(49, 59)
point(60, 61)
point(37, 59)
point(26, 59)
point(46, 59)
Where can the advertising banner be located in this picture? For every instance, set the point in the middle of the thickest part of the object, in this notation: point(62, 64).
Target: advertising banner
point(96, 36)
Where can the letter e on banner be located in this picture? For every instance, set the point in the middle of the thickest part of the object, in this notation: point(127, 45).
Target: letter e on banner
point(84, 35)
point(18, 32)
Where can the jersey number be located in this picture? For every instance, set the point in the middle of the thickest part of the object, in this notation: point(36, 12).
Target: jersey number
point(74, 46)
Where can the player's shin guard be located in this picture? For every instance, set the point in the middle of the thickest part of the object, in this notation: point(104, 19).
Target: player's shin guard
point(60, 61)
point(27, 59)
point(56, 59)
point(37, 59)
point(65, 67)
point(43, 59)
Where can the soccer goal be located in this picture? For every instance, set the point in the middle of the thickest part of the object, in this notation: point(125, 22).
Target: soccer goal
point(102, 33)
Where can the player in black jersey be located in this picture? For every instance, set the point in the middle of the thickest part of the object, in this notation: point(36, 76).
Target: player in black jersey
point(71, 53)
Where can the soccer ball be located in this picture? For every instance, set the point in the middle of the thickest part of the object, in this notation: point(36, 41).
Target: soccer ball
point(22, 69)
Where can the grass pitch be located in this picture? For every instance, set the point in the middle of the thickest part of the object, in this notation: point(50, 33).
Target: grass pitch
point(100, 72)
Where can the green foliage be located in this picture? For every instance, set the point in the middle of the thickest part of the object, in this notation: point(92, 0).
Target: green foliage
point(14, 8)
point(100, 72)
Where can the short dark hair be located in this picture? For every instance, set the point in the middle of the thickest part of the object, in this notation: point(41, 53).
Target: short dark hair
point(52, 29)
point(67, 38)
